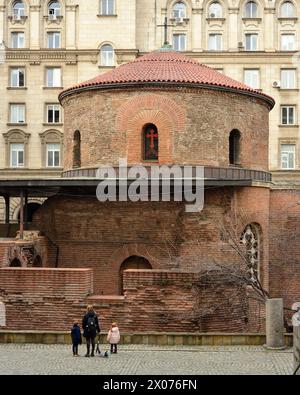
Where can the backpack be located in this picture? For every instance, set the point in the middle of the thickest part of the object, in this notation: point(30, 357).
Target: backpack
point(91, 324)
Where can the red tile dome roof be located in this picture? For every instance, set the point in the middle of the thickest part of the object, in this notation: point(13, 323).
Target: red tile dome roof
point(165, 67)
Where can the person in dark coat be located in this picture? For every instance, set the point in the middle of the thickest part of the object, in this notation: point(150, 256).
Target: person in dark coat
point(90, 326)
point(76, 338)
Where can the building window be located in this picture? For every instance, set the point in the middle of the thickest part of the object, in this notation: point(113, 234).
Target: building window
point(288, 156)
point(77, 149)
point(17, 77)
point(53, 77)
point(251, 10)
point(234, 147)
point(215, 10)
point(17, 155)
point(179, 11)
point(287, 10)
point(107, 55)
point(18, 9)
point(53, 40)
point(150, 135)
point(251, 42)
point(53, 113)
point(252, 78)
point(17, 113)
point(288, 115)
point(17, 40)
point(107, 7)
point(288, 79)
point(287, 42)
point(54, 10)
point(53, 155)
point(215, 42)
point(251, 241)
point(179, 42)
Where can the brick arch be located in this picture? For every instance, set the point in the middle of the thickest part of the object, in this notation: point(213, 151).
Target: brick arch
point(126, 251)
point(164, 113)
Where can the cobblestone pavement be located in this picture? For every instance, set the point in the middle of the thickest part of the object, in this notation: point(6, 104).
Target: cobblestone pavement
point(141, 360)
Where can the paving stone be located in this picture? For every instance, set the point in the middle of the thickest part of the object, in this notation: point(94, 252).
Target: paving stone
point(20, 359)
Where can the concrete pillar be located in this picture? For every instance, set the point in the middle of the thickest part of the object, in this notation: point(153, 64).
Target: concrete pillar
point(2, 24)
point(297, 350)
point(35, 26)
point(275, 324)
point(232, 38)
point(197, 44)
point(71, 26)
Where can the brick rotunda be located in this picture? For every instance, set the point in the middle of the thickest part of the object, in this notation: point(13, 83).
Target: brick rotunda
point(153, 266)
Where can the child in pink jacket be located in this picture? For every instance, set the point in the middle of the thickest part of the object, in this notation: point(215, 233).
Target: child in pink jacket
point(113, 337)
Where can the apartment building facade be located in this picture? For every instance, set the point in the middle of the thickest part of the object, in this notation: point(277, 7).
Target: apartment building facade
point(49, 45)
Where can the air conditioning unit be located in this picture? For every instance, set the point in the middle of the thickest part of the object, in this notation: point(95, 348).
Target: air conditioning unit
point(52, 17)
point(276, 84)
point(178, 20)
point(16, 17)
point(240, 45)
point(212, 15)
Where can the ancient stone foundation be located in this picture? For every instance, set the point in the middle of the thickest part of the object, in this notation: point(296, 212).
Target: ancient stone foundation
point(51, 299)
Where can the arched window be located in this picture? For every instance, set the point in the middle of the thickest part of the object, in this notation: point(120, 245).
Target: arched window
point(107, 55)
point(251, 10)
point(54, 9)
point(215, 10)
point(287, 10)
point(150, 135)
point(18, 9)
point(250, 239)
point(77, 149)
point(15, 263)
point(234, 147)
point(179, 10)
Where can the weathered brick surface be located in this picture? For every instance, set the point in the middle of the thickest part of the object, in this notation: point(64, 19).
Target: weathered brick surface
point(25, 251)
point(102, 236)
point(190, 132)
point(284, 241)
point(151, 301)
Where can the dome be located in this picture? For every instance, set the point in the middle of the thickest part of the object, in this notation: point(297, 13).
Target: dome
point(165, 68)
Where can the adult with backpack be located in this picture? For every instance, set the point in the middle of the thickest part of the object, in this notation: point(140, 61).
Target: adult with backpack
point(90, 326)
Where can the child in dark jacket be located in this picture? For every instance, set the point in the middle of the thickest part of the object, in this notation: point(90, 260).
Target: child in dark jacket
point(76, 338)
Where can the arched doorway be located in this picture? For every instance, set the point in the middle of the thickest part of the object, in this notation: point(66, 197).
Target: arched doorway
point(133, 262)
point(15, 263)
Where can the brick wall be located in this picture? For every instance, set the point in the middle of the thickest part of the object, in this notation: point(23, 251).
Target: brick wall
point(50, 299)
point(69, 283)
point(284, 241)
point(101, 236)
point(111, 125)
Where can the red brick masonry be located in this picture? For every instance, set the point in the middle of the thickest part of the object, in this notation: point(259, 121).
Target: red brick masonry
point(51, 299)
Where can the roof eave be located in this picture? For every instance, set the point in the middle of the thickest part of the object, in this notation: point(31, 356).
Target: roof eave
point(267, 99)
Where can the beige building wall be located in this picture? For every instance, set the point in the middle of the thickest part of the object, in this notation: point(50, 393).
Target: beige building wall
point(134, 28)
